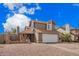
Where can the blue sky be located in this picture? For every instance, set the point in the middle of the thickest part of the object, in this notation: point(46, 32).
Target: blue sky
point(61, 13)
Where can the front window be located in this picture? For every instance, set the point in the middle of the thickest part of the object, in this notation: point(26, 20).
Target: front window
point(48, 26)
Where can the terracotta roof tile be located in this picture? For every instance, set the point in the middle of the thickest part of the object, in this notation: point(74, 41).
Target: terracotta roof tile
point(39, 31)
point(43, 22)
point(48, 31)
point(27, 31)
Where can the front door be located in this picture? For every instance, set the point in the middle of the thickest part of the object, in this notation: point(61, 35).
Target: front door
point(30, 37)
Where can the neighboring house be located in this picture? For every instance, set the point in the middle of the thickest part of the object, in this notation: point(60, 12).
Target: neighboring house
point(38, 32)
point(65, 29)
point(73, 32)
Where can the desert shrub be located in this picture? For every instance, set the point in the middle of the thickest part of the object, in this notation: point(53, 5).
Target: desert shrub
point(2, 41)
point(65, 37)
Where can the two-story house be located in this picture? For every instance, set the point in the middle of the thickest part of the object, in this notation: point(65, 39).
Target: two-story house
point(40, 32)
point(36, 32)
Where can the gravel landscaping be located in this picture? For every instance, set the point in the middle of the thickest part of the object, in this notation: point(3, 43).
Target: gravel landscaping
point(40, 49)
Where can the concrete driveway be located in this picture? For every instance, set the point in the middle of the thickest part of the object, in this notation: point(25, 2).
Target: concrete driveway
point(40, 49)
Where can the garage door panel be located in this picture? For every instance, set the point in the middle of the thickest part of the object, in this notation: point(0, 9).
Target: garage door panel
point(49, 37)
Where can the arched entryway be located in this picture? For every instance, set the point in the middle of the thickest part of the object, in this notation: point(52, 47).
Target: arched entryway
point(30, 37)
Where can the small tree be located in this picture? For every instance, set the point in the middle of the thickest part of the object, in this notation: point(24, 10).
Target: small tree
point(14, 31)
point(65, 37)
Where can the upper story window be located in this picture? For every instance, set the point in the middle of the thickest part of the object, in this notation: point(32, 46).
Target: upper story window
point(48, 26)
point(40, 26)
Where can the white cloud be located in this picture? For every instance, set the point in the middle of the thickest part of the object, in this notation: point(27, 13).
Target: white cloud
point(16, 20)
point(8, 15)
point(9, 5)
point(21, 8)
point(31, 11)
point(76, 4)
point(27, 11)
point(12, 6)
point(38, 7)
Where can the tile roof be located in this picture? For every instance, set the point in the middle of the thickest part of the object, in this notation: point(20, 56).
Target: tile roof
point(48, 31)
point(43, 22)
point(27, 31)
point(74, 29)
point(39, 31)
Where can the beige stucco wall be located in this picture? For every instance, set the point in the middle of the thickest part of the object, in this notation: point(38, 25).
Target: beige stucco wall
point(40, 26)
point(40, 37)
point(37, 37)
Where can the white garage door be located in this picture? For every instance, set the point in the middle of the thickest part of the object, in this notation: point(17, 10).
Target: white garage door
point(49, 37)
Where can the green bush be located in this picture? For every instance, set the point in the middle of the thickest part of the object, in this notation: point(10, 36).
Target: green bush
point(65, 38)
point(2, 41)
